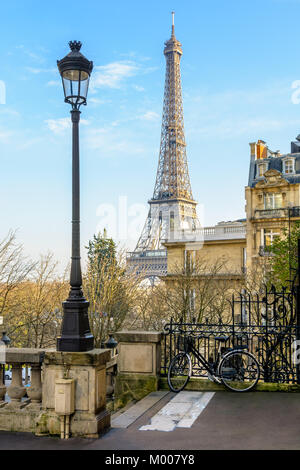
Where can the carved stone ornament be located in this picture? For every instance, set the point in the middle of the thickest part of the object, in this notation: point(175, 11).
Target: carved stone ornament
point(272, 178)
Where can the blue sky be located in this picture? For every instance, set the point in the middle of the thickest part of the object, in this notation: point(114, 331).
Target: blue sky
point(239, 62)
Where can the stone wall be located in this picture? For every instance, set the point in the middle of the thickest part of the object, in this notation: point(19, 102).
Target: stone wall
point(32, 409)
point(139, 362)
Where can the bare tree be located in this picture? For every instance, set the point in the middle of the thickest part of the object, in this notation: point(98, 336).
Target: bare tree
point(197, 292)
point(34, 321)
point(14, 269)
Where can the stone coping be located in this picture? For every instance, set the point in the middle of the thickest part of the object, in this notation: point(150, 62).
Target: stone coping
point(51, 356)
point(138, 336)
point(95, 357)
point(204, 385)
point(24, 356)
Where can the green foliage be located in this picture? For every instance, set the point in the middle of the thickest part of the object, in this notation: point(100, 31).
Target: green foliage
point(284, 259)
point(109, 289)
point(101, 249)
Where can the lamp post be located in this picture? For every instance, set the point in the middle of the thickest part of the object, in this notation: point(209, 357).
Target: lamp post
point(75, 71)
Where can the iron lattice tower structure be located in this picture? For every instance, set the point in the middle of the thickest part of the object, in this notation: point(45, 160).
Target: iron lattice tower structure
point(172, 214)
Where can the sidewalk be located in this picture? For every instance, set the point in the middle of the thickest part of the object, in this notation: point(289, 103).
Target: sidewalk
point(255, 420)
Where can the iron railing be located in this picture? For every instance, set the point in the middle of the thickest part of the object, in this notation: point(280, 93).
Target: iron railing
point(266, 323)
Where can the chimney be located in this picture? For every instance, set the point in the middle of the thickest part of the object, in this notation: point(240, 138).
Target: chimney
point(261, 150)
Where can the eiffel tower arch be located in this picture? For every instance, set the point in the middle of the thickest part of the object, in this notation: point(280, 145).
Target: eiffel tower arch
point(172, 212)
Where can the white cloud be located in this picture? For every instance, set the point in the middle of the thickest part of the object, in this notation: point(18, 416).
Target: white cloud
point(25, 144)
point(150, 116)
point(239, 126)
point(109, 141)
point(53, 83)
point(33, 55)
point(9, 112)
point(97, 101)
point(240, 112)
point(37, 71)
point(138, 88)
point(112, 75)
point(60, 125)
point(5, 136)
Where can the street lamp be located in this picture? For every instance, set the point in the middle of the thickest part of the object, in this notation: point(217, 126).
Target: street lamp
point(75, 71)
point(5, 339)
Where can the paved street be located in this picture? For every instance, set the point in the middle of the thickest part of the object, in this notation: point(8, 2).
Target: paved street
point(256, 420)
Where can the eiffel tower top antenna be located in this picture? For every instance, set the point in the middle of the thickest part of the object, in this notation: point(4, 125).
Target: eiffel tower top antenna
point(173, 24)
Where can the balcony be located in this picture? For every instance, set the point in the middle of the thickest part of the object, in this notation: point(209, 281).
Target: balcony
point(277, 213)
point(264, 251)
point(224, 232)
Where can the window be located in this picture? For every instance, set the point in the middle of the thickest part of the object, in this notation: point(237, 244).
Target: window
point(192, 299)
point(273, 200)
point(289, 166)
point(172, 221)
point(189, 260)
point(261, 169)
point(269, 236)
point(244, 260)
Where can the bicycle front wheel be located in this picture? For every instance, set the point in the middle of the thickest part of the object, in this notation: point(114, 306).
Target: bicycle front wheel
point(239, 371)
point(180, 371)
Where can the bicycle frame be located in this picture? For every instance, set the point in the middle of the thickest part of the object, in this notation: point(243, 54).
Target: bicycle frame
point(211, 369)
point(228, 368)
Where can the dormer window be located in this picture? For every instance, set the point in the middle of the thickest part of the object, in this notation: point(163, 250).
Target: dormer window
point(261, 169)
point(289, 166)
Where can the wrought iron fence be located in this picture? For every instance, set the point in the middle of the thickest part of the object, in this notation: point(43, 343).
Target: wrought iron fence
point(268, 324)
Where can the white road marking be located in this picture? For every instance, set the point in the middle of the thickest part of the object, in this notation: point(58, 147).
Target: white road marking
point(181, 411)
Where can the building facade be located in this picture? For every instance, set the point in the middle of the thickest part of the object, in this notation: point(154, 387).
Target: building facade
point(221, 254)
point(272, 197)
point(272, 203)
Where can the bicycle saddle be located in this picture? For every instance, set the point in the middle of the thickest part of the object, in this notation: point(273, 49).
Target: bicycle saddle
point(241, 346)
point(222, 339)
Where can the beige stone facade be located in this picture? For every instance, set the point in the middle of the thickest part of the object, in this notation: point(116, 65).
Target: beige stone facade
point(223, 249)
point(272, 203)
point(272, 199)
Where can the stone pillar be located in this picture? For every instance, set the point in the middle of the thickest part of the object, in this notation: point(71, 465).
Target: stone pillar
point(16, 391)
point(139, 362)
point(88, 369)
point(35, 390)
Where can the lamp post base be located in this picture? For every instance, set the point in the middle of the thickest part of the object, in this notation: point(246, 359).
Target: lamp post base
point(75, 335)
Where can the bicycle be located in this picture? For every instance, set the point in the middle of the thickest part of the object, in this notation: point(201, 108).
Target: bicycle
point(236, 367)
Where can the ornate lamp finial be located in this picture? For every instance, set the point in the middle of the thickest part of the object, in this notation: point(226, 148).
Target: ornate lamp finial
point(75, 46)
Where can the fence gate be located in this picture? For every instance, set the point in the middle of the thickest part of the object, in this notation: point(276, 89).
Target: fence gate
point(267, 323)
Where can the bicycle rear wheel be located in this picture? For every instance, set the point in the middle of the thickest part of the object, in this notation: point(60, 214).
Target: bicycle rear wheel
point(239, 371)
point(179, 372)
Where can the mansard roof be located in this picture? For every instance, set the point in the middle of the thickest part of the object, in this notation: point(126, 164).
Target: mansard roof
point(275, 161)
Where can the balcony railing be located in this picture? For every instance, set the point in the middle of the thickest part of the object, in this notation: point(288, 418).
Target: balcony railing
point(264, 251)
point(278, 212)
point(224, 232)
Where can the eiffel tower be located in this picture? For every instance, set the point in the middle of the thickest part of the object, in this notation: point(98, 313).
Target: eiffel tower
point(172, 215)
